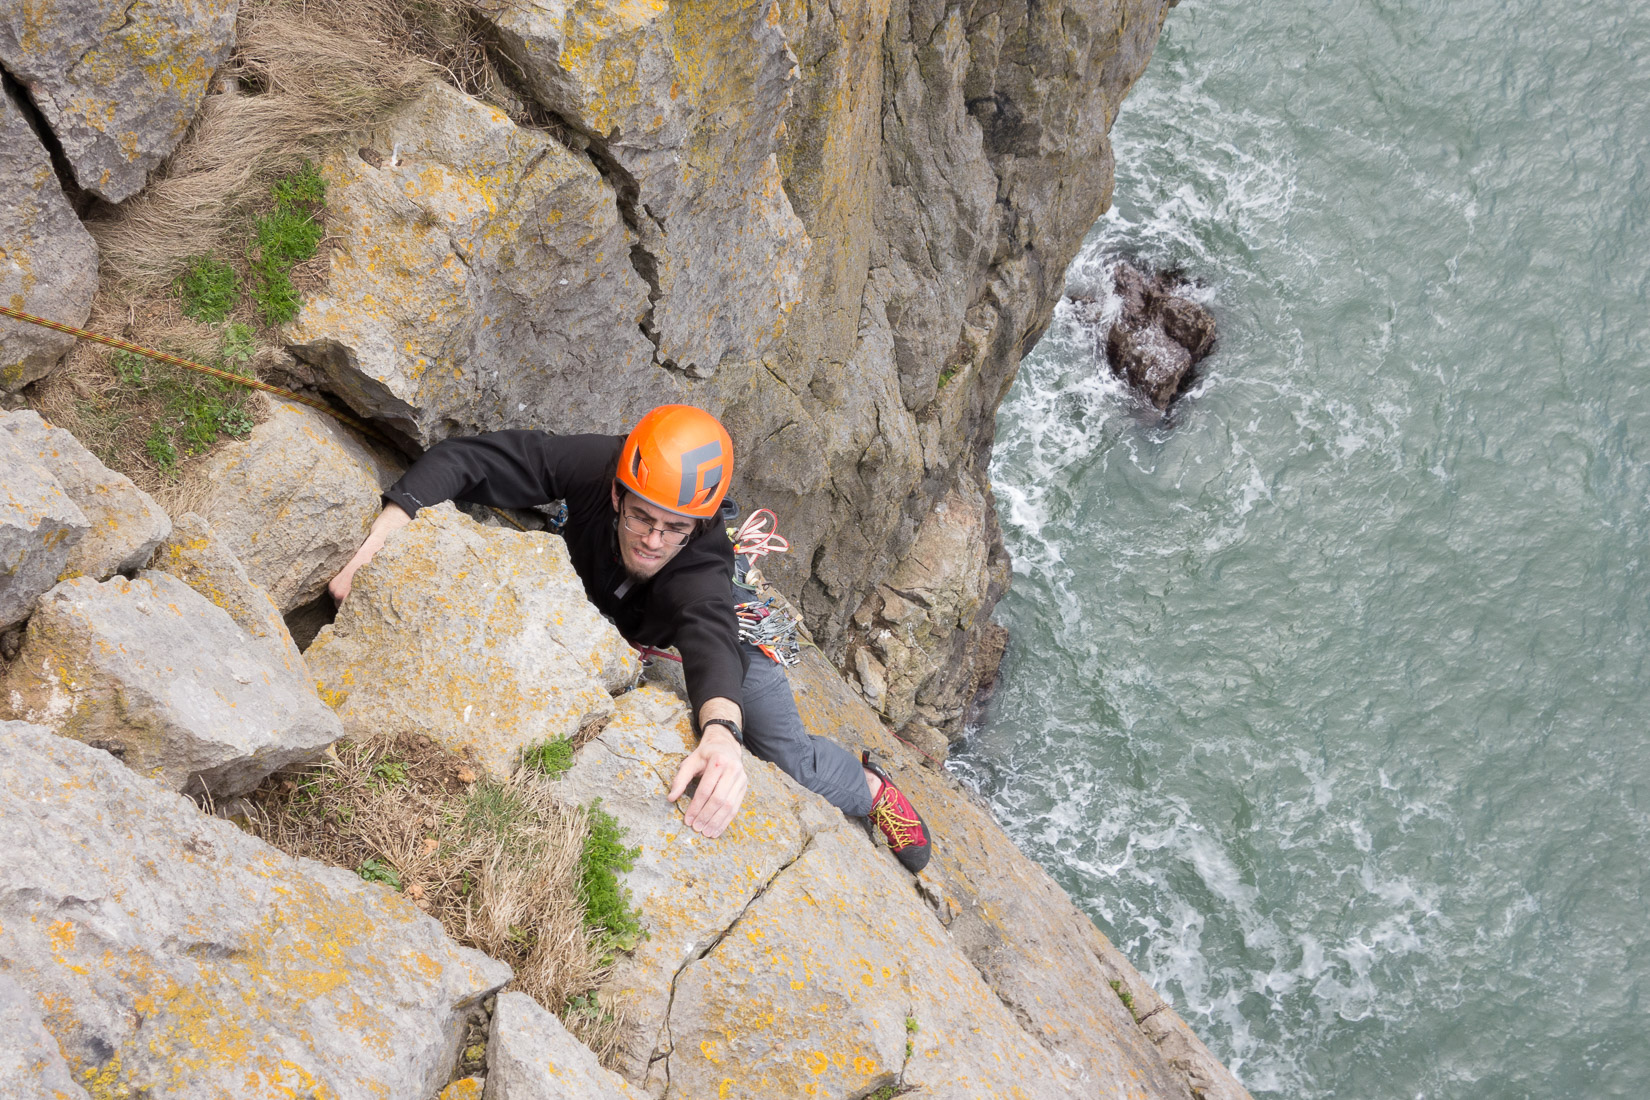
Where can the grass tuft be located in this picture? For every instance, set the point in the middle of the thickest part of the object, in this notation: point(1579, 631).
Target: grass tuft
point(501, 865)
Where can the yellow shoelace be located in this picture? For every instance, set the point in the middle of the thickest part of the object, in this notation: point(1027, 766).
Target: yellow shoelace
point(901, 831)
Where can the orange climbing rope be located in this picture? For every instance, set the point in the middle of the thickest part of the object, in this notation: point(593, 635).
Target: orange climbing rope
point(187, 364)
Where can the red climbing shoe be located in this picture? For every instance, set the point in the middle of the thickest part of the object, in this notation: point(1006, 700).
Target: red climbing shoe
point(899, 821)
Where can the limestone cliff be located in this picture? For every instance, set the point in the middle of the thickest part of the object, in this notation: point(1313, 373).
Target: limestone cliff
point(838, 226)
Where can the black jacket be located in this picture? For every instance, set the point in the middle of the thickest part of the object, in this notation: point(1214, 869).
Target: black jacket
point(688, 603)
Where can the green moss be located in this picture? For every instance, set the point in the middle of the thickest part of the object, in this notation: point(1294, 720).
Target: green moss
point(550, 758)
point(607, 906)
point(209, 288)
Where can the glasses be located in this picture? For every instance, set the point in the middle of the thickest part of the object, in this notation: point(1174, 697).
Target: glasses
point(669, 534)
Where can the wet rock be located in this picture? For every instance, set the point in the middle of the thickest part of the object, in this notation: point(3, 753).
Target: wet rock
point(173, 955)
point(124, 523)
point(199, 558)
point(1042, 958)
point(48, 262)
point(687, 104)
point(150, 671)
point(118, 83)
point(530, 1056)
point(480, 266)
point(1158, 335)
point(294, 501)
point(480, 637)
point(39, 528)
point(31, 1065)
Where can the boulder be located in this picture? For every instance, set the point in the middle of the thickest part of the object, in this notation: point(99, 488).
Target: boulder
point(685, 103)
point(117, 83)
point(530, 1056)
point(295, 500)
point(1042, 958)
point(173, 955)
point(478, 263)
point(1157, 334)
point(158, 676)
point(124, 522)
point(788, 956)
point(31, 1065)
point(48, 262)
point(479, 637)
point(40, 526)
point(195, 555)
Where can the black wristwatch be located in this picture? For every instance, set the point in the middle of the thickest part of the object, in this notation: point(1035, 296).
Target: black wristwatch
point(732, 727)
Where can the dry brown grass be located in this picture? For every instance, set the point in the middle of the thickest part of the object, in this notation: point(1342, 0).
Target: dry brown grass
point(496, 864)
point(305, 77)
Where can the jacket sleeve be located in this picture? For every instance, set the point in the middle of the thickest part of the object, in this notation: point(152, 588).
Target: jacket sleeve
point(509, 469)
point(713, 661)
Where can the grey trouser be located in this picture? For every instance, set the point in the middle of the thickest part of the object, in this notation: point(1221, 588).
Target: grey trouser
point(773, 732)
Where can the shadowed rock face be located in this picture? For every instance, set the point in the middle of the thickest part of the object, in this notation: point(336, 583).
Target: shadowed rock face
point(170, 954)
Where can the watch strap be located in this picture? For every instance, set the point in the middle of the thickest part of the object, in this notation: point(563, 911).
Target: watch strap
point(731, 726)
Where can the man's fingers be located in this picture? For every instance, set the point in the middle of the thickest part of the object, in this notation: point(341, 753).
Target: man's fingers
point(724, 813)
point(691, 767)
point(697, 812)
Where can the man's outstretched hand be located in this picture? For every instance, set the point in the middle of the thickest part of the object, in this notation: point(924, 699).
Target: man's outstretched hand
point(719, 763)
point(392, 518)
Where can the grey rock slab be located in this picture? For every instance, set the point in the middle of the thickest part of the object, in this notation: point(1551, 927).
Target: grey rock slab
point(152, 671)
point(125, 523)
point(531, 1056)
point(48, 262)
point(687, 103)
point(294, 500)
point(479, 637)
point(687, 889)
point(482, 279)
point(173, 955)
point(199, 558)
point(118, 82)
point(31, 1065)
point(40, 526)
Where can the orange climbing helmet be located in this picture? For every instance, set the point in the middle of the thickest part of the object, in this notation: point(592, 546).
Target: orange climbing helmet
point(679, 458)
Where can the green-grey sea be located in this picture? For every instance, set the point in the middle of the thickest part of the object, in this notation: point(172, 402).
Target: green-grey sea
point(1328, 697)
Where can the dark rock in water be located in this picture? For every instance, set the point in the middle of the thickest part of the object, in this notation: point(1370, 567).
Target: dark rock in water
point(1159, 335)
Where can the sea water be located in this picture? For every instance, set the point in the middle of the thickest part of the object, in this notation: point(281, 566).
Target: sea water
point(1327, 698)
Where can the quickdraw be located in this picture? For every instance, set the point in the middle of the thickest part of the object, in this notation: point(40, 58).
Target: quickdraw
point(765, 622)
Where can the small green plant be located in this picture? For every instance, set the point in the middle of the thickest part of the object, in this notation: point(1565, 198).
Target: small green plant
point(160, 449)
point(390, 772)
point(209, 289)
point(130, 367)
point(950, 372)
point(910, 1035)
point(236, 422)
point(1123, 995)
point(607, 903)
point(239, 345)
point(288, 235)
point(378, 870)
point(549, 758)
point(585, 1006)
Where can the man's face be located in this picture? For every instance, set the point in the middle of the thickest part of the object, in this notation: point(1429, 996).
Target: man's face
point(666, 533)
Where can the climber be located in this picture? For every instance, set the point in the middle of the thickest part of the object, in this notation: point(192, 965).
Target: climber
point(646, 532)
